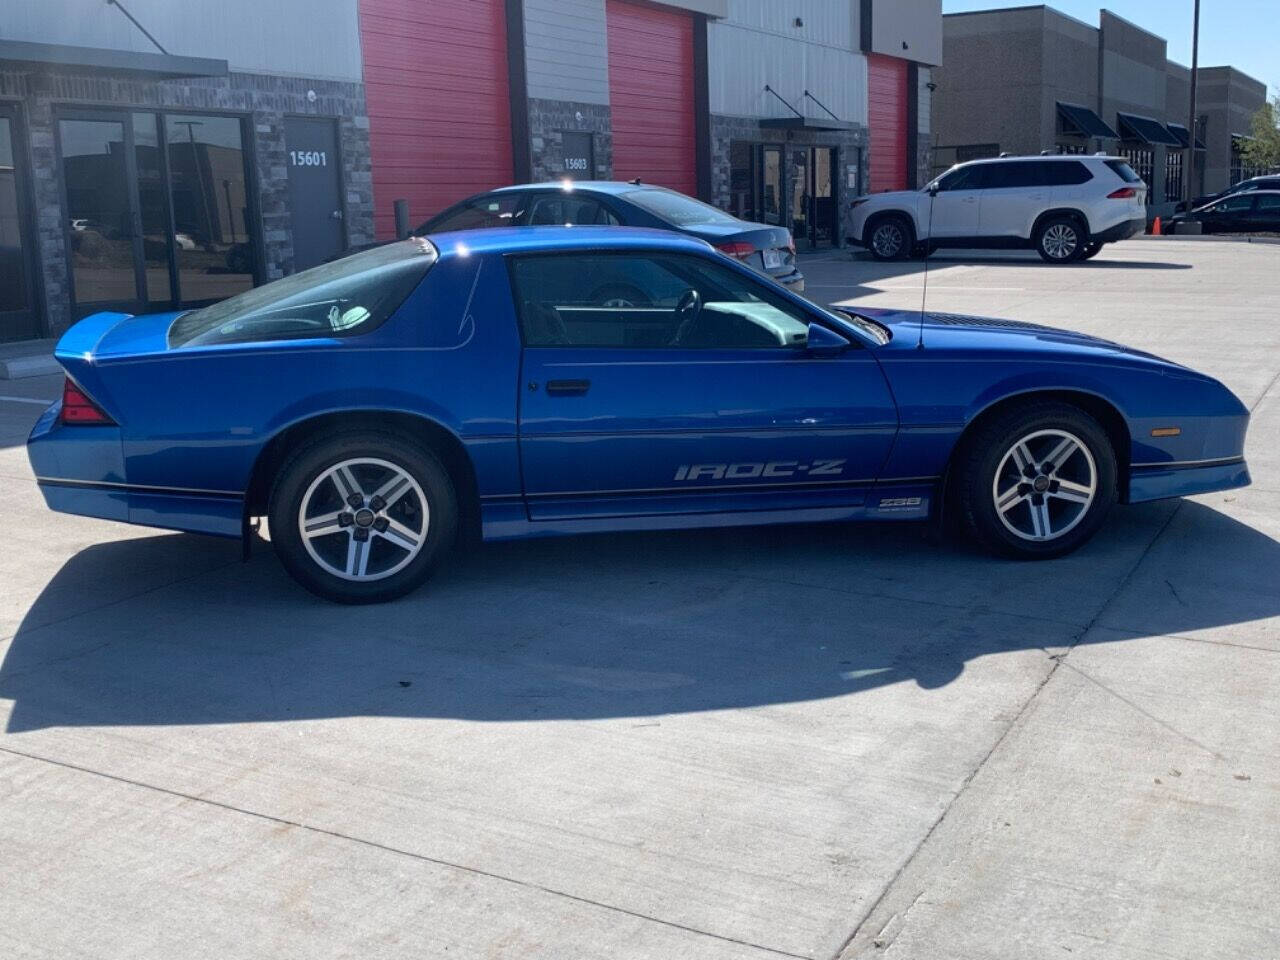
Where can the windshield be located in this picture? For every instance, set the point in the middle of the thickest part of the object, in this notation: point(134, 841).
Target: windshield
point(349, 296)
point(676, 208)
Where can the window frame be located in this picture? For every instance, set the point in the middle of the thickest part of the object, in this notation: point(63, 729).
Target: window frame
point(793, 304)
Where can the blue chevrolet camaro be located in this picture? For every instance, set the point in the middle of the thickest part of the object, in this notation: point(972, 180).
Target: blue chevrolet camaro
point(375, 408)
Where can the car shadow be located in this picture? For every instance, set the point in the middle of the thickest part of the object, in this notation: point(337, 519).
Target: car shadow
point(634, 625)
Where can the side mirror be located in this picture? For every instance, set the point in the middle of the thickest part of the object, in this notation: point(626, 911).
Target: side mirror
point(824, 343)
point(933, 190)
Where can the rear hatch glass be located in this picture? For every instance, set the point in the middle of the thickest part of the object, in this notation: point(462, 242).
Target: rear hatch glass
point(1124, 171)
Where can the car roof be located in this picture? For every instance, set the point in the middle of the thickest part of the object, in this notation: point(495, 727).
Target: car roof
point(599, 186)
point(1047, 156)
point(555, 237)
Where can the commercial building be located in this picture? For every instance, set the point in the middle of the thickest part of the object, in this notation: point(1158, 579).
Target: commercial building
point(168, 155)
point(773, 110)
point(1082, 89)
point(134, 178)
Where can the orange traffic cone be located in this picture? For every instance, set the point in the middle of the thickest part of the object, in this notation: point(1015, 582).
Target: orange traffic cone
point(1155, 227)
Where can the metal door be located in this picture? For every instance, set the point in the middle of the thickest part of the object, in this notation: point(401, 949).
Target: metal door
point(315, 190)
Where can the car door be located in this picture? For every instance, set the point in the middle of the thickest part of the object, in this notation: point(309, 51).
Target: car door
point(954, 211)
point(1228, 215)
point(1014, 191)
point(696, 396)
point(1266, 212)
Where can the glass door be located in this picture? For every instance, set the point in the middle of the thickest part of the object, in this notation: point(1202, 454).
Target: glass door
point(18, 319)
point(102, 213)
point(825, 217)
point(801, 193)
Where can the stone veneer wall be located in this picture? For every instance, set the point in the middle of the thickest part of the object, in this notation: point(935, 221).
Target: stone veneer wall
point(266, 100)
point(854, 156)
point(548, 119)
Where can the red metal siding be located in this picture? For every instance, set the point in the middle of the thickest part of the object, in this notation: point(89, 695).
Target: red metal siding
point(435, 75)
point(887, 118)
point(651, 94)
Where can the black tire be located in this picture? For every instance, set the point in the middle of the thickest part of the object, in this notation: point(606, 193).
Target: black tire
point(890, 238)
point(303, 472)
point(1060, 239)
point(1091, 250)
point(986, 467)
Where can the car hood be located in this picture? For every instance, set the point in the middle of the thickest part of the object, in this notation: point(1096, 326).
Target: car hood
point(994, 336)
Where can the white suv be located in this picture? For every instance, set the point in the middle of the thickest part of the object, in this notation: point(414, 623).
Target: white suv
point(1064, 207)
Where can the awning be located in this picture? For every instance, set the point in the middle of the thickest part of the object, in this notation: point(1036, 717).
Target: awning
point(806, 123)
point(1145, 130)
point(1184, 137)
point(1084, 122)
point(156, 66)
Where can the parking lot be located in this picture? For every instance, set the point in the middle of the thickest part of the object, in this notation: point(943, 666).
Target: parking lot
point(827, 742)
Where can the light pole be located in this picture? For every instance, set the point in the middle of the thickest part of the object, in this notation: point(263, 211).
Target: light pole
point(1191, 123)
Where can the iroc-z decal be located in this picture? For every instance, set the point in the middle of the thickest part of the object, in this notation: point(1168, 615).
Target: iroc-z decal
point(751, 471)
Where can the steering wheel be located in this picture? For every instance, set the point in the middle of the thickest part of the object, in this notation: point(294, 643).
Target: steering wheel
point(687, 312)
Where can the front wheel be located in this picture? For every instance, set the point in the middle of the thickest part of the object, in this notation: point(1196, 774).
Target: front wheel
point(890, 239)
point(1036, 483)
point(1060, 240)
point(362, 518)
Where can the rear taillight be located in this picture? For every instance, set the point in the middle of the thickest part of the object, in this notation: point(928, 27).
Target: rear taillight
point(79, 409)
point(737, 249)
point(1124, 193)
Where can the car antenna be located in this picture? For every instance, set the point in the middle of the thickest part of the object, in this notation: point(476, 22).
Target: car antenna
point(924, 291)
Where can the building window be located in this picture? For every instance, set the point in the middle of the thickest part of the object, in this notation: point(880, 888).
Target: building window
point(158, 208)
point(1173, 182)
point(1071, 148)
point(1143, 161)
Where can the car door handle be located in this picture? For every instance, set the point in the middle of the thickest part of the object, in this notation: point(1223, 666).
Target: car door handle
point(567, 388)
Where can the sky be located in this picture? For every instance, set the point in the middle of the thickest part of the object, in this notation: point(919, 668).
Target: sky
point(1237, 33)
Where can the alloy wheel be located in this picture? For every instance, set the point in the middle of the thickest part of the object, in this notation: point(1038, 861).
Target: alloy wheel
point(887, 241)
point(1044, 485)
point(363, 519)
point(1060, 241)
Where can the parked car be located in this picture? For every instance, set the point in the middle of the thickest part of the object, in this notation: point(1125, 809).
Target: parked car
point(1244, 186)
point(765, 248)
point(372, 407)
point(1252, 212)
point(1065, 208)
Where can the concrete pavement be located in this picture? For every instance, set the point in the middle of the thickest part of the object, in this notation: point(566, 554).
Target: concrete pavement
point(802, 741)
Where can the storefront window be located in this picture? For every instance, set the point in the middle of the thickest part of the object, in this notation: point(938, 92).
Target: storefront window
point(1173, 182)
point(771, 186)
point(13, 274)
point(152, 208)
point(212, 243)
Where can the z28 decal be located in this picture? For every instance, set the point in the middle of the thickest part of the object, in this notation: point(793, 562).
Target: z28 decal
point(750, 471)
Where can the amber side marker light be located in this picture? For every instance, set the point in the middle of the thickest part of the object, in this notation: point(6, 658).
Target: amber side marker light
point(1167, 432)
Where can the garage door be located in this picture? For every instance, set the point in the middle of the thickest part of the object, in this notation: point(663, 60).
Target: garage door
point(651, 94)
point(887, 117)
point(439, 103)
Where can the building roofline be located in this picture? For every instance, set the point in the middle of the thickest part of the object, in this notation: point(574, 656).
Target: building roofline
point(1030, 6)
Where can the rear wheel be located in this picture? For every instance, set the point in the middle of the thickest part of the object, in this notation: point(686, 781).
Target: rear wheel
point(362, 518)
point(1036, 483)
point(890, 238)
point(1060, 240)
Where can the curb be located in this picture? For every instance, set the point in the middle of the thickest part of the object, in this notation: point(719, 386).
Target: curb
point(1210, 238)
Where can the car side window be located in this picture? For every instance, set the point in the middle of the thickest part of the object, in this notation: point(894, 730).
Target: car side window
point(567, 210)
point(491, 210)
point(1067, 173)
point(966, 178)
point(649, 301)
point(1269, 203)
point(1234, 204)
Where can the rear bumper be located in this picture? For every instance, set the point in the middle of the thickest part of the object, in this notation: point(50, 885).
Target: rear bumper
point(80, 470)
point(1183, 480)
point(1122, 231)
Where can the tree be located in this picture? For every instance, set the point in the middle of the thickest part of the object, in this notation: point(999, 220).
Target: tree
point(1263, 151)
